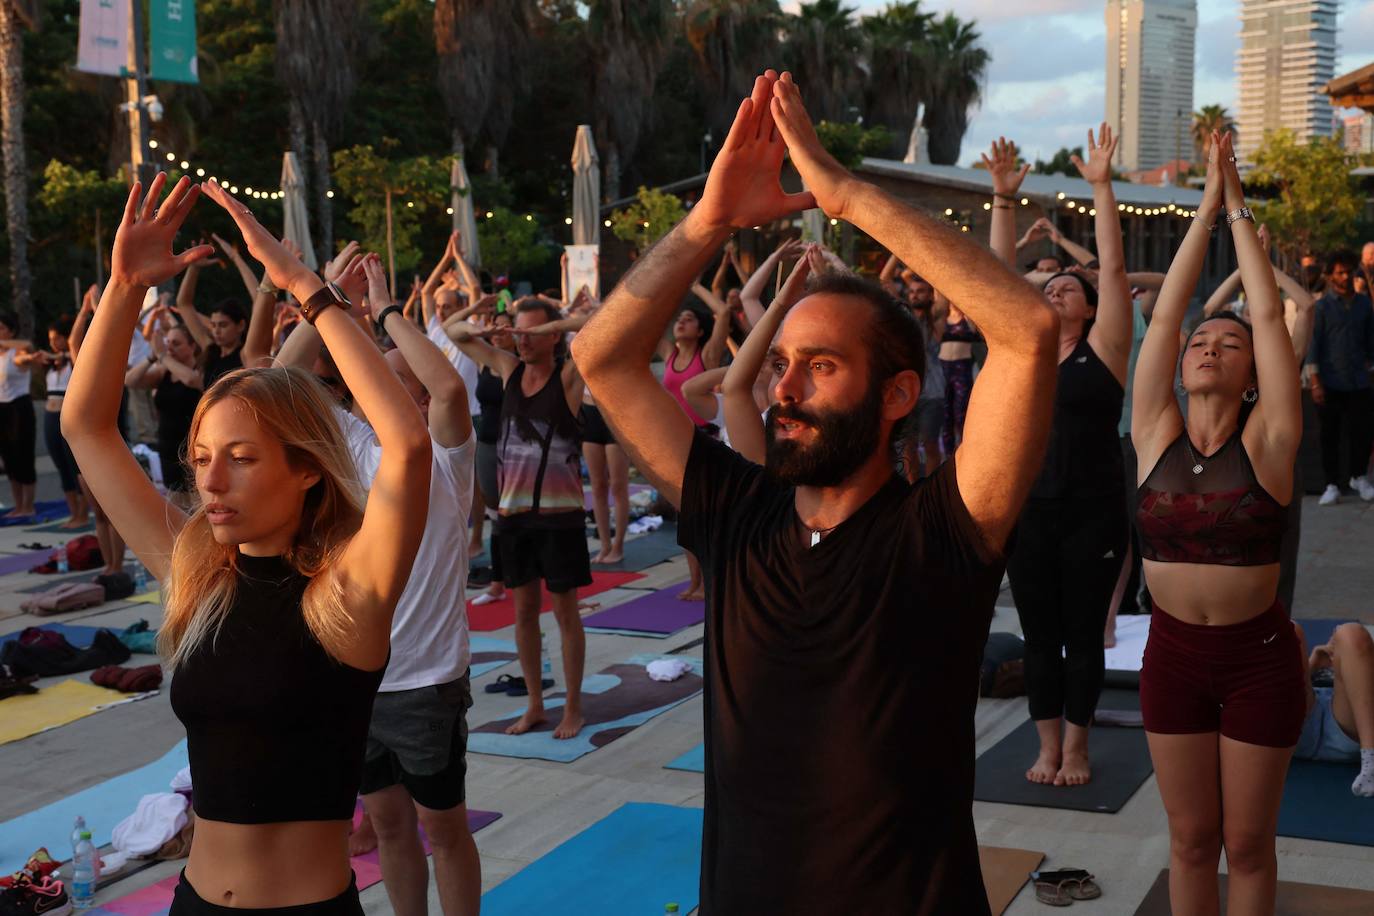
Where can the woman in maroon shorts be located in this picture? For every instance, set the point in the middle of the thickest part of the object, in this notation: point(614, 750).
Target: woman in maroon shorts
point(1221, 687)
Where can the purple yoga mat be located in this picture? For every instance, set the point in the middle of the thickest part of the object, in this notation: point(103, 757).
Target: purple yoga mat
point(656, 612)
point(23, 562)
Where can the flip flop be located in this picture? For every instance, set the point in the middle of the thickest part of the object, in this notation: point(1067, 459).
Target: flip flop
point(502, 684)
point(34, 545)
point(1082, 888)
point(1052, 893)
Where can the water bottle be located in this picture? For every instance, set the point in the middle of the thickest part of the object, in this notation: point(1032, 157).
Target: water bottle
point(141, 579)
point(670, 909)
point(62, 565)
point(545, 665)
point(85, 873)
point(77, 829)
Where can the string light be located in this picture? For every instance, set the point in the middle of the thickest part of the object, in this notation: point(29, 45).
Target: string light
point(152, 144)
point(1061, 195)
point(489, 214)
point(450, 211)
point(1025, 201)
point(987, 206)
point(834, 222)
point(606, 223)
point(567, 220)
point(949, 212)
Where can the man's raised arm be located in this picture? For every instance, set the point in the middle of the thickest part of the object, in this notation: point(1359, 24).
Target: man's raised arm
point(614, 349)
point(1010, 411)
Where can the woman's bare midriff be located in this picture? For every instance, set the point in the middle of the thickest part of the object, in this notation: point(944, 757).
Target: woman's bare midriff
point(951, 350)
point(269, 865)
point(1210, 595)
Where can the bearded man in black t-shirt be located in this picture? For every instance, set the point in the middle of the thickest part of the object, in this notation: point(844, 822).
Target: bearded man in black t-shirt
point(847, 609)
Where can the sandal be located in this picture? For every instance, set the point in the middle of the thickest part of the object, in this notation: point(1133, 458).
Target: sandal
point(501, 684)
point(1082, 888)
point(1053, 892)
point(518, 688)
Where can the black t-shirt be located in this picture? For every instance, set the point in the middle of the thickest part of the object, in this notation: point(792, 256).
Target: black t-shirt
point(840, 693)
point(218, 363)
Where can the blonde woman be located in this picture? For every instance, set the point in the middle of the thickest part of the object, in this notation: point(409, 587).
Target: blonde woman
point(279, 587)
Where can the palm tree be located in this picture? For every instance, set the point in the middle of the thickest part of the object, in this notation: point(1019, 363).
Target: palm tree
point(824, 48)
point(897, 82)
point(629, 41)
point(957, 66)
point(481, 45)
point(1210, 118)
point(316, 42)
point(15, 17)
point(732, 39)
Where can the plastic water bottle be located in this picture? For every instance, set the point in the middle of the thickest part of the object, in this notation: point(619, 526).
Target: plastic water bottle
point(62, 565)
point(78, 828)
point(670, 909)
point(545, 665)
point(85, 873)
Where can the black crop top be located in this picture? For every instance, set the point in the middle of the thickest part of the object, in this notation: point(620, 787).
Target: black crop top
point(276, 729)
point(1220, 515)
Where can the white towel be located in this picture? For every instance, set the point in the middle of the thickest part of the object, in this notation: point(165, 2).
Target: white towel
point(158, 818)
point(667, 669)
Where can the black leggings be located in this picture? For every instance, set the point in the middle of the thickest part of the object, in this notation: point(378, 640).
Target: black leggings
point(18, 434)
point(186, 902)
point(1063, 570)
point(1348, 412)
point(59, 451)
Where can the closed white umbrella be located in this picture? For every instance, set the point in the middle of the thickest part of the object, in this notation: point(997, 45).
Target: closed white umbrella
point(464, 213)
point(297, 218)
point(813, 224)
point(586, 213)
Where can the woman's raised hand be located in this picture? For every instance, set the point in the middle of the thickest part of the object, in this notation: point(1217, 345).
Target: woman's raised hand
point(1212, 190)
point(1101, 151)
point(282, 267)
point(335, 268)
point(353, 281)
point(377, 292)
point(1001, 165)
point(1233, 192)
point(143, 243)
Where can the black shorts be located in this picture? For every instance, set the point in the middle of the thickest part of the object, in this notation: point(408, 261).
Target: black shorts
point(186, 902)
point(556, 555)
point(419, 739)
point(594, 428)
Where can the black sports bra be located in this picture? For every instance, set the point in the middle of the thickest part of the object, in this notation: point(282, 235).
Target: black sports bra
point(276, 729)
point(1196, 509)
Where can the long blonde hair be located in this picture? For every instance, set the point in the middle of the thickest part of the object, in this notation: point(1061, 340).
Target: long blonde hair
point(289, 404)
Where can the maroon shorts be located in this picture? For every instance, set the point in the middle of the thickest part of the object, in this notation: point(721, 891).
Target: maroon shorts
point(1244, 680)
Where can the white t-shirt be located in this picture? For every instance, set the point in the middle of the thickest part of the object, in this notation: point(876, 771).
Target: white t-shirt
point(14, 380)
point(58, 379)
point(467, 368)
point(429, 634)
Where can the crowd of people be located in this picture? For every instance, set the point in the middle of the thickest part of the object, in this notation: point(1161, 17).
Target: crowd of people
point(855, 462)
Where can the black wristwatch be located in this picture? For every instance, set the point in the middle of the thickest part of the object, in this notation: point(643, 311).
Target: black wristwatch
point(380, 321)
point(327, 295)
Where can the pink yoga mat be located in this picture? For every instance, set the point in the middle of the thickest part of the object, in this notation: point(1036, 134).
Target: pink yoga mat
point(156, 899)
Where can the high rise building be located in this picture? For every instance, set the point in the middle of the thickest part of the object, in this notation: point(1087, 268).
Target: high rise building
point(1287, 53)
point(1150, 80)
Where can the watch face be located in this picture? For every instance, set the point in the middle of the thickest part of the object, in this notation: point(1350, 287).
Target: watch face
point(339, 294)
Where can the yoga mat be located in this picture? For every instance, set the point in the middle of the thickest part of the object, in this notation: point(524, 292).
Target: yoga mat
point(103, 805)
point(614, 702)
point(78, 636)
point(1318, 804)
point(694, 761)
point(1005, 872)
point(153, 597)
point(23, 562)
point(1293, 899)
point(1120, 764)
point(1318, 631)
point(631, 862)
point(52, 580)
point(57, 528)
point(45, 511)
point(494, 616)
point(489, 654)
point(647, 550)
point(156, 899)
point(1124, 659)
point(658, 613)
point(66, 701)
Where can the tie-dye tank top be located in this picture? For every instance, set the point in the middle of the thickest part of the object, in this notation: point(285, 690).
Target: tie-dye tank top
point(538, 457)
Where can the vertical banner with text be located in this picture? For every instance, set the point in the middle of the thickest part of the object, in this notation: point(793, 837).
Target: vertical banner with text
point(103, 37)
point(172, 30)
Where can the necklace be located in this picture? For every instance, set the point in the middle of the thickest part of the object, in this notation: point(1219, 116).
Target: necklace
point(816, 534)
point(1197, 462)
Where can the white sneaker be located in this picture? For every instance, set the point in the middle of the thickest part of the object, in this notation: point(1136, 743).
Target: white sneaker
point(1362, 486)
point(1330, 495)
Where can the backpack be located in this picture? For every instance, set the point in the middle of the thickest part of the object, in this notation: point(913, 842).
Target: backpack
point(82, 553)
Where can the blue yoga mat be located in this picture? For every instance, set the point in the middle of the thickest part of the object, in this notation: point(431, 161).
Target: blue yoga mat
point(483, 648)
point(694, 761)
point(78, 636)
point(1318, 630)
point(46, 511)
point(631, 862)
point(103, 805)
point(1318, 804)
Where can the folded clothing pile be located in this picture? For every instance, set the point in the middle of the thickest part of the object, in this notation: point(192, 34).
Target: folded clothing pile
point(13, 684)
point(139, 638)
point(45, 653)
point(128, 680)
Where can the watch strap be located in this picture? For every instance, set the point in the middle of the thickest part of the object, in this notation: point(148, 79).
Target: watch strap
point(324, 297)
point(380, 321)
point(1235, 216)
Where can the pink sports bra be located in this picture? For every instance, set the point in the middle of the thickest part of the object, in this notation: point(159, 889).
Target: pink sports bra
point(673, 379)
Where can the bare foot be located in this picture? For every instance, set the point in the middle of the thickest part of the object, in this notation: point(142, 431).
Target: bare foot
point(583, 606)
point(16, 513)
point(612, 556)
point(695, 594)
point(600, 558)
point(529, 720)
point(363, 839)
point(1075, 771)
point(1045, 769)
point(72, 524)
point(570, 726)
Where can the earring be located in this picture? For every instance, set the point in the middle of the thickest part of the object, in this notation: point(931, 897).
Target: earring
point(1250, 396)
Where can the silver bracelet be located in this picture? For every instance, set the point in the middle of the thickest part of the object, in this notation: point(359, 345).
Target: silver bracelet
point(1235, 216)
point(1211, 228)
point(267, 287)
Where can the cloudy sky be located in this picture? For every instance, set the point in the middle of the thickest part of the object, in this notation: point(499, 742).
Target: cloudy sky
point(1045, 84)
